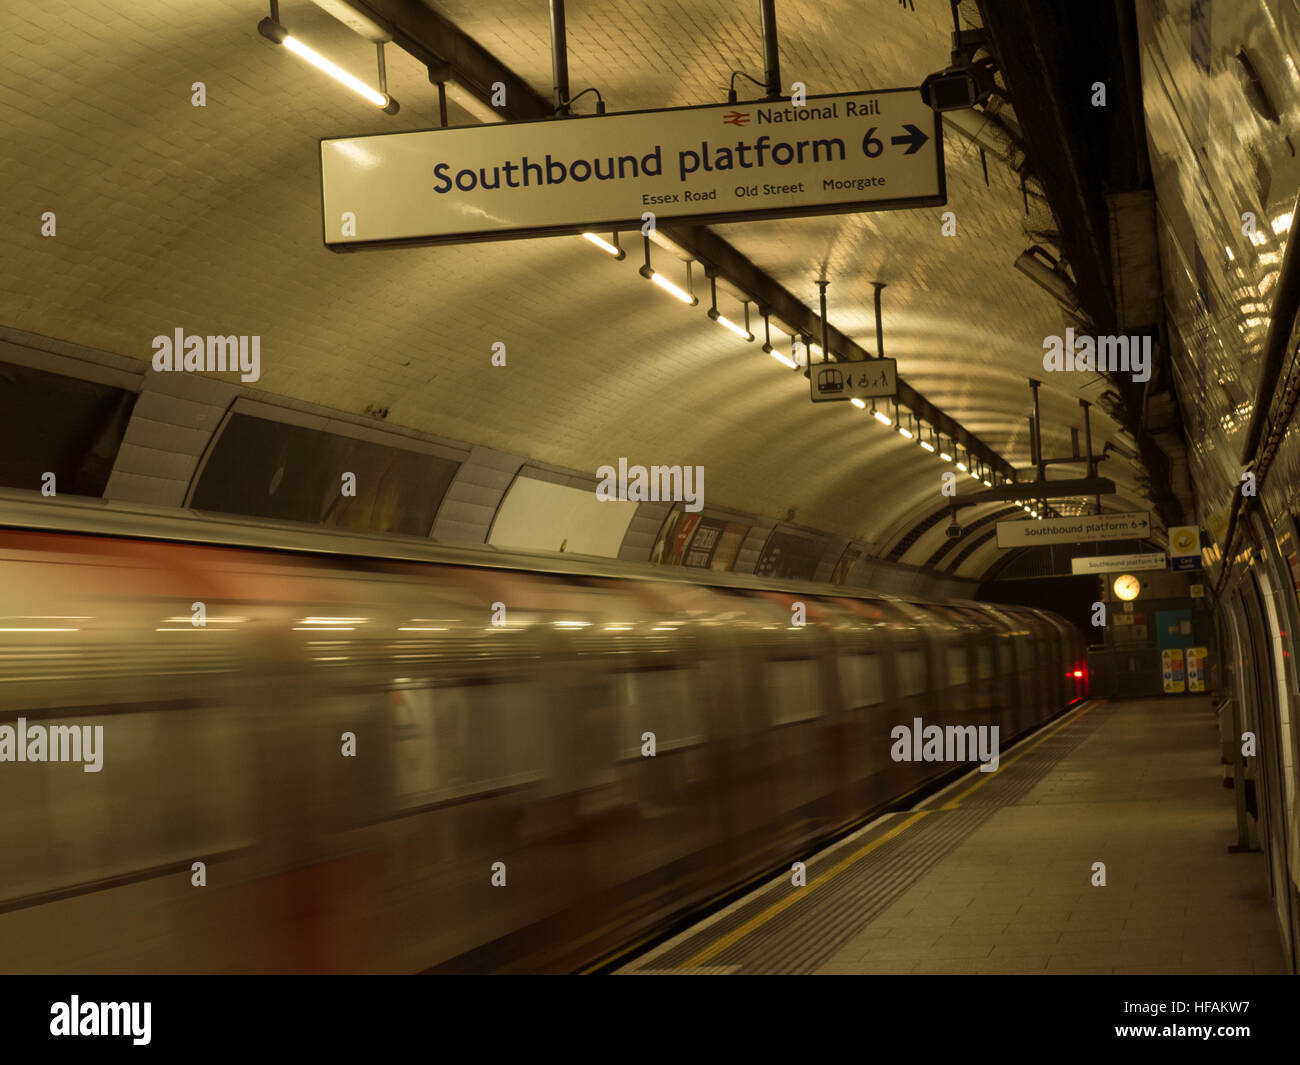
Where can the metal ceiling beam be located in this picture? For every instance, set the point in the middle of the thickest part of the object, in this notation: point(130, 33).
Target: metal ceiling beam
point(781, 303)
point(438, 43)
point(441, 45)
point(1029, 41)
point(1084, 486)
point(1050, 55)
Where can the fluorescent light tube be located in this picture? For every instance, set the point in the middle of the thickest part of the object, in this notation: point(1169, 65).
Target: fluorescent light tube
point(727, 323)
point(355, 19)
point(337, 73)
point(670, 288)
point(604, 245)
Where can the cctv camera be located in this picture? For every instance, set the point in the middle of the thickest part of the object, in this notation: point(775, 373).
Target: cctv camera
point(950, 90)
point(1049, 275)
point(1044, 271)
point(962, 85)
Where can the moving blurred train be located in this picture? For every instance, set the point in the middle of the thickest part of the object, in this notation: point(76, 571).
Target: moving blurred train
point(497, 709)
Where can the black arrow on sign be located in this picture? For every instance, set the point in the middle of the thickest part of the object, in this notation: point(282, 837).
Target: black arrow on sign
point(914, 137)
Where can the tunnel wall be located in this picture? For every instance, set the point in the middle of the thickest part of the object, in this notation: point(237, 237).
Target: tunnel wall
point(193, 441)
point(1222, 103)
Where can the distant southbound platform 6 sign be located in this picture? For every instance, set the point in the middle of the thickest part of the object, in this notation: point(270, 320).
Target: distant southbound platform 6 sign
point(1095, 527)
point(1117, 563)
point(867, 151)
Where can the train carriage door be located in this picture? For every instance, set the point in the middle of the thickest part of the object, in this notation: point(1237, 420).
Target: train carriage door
point(958, 655)
point(1007, 695)
point(986, 694)
point(1027, 654)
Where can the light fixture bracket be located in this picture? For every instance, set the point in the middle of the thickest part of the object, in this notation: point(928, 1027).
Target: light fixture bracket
point(274, 31)
point(271, 29)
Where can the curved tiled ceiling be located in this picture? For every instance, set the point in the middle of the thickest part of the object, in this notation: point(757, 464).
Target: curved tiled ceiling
point(208, 219)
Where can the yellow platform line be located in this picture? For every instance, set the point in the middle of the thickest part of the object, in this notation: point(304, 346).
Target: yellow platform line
point(953, 803)
point(710, 952)
point(758, 920)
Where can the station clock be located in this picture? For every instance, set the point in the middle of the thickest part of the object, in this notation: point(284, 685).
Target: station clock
point(1127, 587)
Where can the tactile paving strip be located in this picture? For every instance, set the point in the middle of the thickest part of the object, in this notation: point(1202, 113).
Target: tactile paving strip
point(1005, 789)
point(798, 934)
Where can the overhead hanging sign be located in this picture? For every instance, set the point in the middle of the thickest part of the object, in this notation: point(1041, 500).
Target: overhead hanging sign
point(1185, 547)
point(860, 379)
point(1095, 527)
point(864, 151)
point(1116, 563)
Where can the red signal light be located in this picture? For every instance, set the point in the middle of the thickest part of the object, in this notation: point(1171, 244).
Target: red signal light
point(1078, 673)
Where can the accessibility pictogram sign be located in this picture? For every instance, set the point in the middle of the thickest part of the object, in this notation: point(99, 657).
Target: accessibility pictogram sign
point(859, 379)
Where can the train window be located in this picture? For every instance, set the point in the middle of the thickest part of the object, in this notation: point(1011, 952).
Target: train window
point(911, 672)
point(793, 690)
point(454, 741)
point(73, 827)
point(860, 678)
point(1006, 658)
point(958, 672)
point(661, 701)
point(983, 661)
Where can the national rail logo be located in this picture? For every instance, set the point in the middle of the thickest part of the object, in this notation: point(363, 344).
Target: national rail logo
point(639, 484)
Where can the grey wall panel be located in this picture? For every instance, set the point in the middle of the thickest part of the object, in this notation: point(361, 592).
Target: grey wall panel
point(59, 356)
point(543, 473)
point(830, 557)
point(185, 438)
point(172, 424)
point(162, 461)
point(886, 580)
point(747, 559)
point(880, 575)
point(639, 540)
point(475, 494)
point(177, 414)
point(180, 414)
point(861, 570)
point(556, 475)
point(357, 427)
